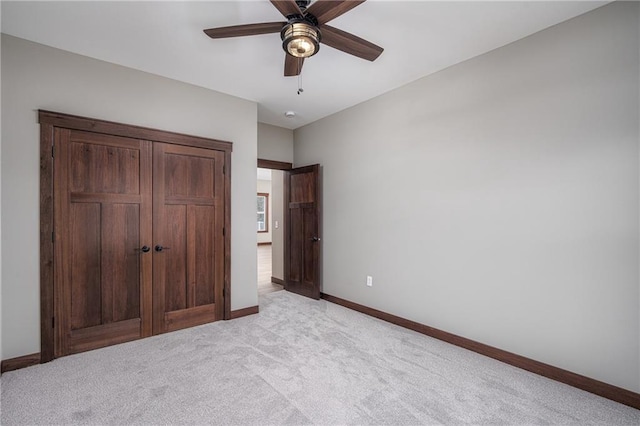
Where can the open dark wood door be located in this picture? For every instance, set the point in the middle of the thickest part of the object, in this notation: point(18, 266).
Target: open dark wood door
point(102, 216)
point(302, 239)
point(188, 227)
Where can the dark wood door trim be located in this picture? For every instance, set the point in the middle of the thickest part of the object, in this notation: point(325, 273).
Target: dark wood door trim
point(226, 290)
point(19, 362)
point(46, 242)
point(239, 313)
point(75, 122)
point(49, 121)
point(285, 223)
point(274, 165)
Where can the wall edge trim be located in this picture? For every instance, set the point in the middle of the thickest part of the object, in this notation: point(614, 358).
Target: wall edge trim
point(16, 363)
point(587, 384)
point(239, 313)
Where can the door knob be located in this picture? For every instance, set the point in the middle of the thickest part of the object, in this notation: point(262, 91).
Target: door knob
point(159, 248)
point(316, 239)
point(145, 249)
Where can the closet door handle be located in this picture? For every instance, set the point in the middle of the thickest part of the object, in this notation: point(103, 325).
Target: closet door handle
point(159, 248)
point(145, 249)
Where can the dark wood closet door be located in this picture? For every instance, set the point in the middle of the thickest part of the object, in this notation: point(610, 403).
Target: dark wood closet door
point(302, 239)
point(188, 264)
point(102, 214)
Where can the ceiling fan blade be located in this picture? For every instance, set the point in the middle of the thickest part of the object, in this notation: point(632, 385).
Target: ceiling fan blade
point(292, 65)
point(350, 43)
point(245, 30)
point(287, 7)
point(326, 10)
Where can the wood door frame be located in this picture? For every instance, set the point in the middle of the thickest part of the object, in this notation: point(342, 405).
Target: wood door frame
point(48, 121)
point(274, 165)
point(285, 167)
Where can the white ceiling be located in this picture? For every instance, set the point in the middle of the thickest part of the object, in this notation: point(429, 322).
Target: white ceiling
point(166, 38)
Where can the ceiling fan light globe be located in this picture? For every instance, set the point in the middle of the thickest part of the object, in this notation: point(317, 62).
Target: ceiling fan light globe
point(300, 39)
point(301, 48)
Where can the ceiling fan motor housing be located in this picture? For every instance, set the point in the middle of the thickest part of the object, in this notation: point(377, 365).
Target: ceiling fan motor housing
point(301, 36)
point(303, 4)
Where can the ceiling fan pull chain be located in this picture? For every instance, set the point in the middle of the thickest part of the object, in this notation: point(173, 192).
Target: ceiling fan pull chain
point(300, 89)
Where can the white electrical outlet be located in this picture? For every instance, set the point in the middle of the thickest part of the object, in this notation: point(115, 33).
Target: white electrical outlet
point(369, 281)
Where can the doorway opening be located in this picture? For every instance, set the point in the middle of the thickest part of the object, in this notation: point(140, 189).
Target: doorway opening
point(299, 226)
point(270, 219)
point(270, 225)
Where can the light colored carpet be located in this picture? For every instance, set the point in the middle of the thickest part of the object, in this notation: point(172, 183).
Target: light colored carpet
point(299, 361)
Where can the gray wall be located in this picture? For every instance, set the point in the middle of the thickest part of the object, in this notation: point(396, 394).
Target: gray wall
point(0, 203)
point(498, 199)
point(275, 143)
point(38, 77)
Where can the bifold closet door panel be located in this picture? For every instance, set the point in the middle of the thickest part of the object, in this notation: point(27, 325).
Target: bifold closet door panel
point(102, 214)
point(188, 258)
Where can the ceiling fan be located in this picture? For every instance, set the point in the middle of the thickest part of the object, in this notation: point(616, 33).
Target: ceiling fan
point(306, 27)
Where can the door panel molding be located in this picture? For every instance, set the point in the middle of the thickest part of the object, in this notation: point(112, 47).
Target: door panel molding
point(188, 279)
point(111, 334)
point(100, 279)
point(54, 125)
point(176, 320)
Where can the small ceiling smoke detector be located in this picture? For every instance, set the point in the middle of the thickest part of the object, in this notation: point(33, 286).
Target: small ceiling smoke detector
point(290, 114)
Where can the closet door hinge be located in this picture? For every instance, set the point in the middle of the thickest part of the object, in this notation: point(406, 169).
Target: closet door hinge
point(53, 322)
point(53, 237)
point(52, 151)
point(224, 231)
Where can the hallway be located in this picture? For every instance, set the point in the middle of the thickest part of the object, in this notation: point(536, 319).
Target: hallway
point(264, 271)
